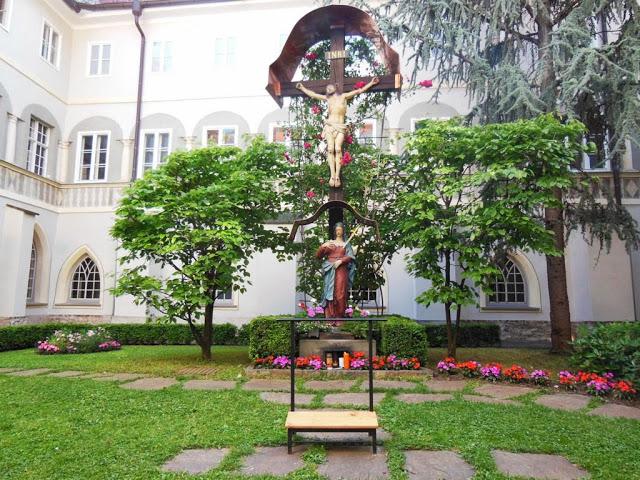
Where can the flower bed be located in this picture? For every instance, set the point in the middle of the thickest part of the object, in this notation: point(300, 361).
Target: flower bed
point(358, 362)
point(594, 384)
point(95, 340)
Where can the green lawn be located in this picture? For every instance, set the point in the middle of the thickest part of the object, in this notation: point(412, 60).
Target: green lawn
point(83, 429)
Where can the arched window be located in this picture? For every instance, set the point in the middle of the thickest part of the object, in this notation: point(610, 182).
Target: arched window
point(85, 282)
point(509, 287)
point(31, 284)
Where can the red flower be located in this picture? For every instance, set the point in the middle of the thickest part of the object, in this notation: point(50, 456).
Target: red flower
point(349, 139)
point(360, 84)
point(311, 194)
point(321, 181)
point(311, 56)
point(307, 145)
point(315, 108)
point(426, 83)
point(346, 158)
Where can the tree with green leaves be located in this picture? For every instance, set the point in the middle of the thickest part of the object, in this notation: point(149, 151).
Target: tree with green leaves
point(521, 58)
point(200, 217)
point(475, 194)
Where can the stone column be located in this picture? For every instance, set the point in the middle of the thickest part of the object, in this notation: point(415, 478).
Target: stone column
point(127, 160)
point(12, 131)
point(393, 135)
point(16, 235)
point(189, 142)
point(63, 162)
point(627, 157)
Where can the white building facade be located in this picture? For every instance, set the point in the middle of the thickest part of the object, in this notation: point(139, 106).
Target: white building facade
point(68, 88)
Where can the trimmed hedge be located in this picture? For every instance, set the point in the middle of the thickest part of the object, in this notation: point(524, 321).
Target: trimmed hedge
point(609, 347)
point(404, 337)
point(268, 337)
point(26, 336)
point(470, 335)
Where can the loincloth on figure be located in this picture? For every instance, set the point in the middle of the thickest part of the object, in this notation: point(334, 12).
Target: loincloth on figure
point(333, 129)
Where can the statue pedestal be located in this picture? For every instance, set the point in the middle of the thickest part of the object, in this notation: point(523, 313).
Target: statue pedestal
point(333, 344)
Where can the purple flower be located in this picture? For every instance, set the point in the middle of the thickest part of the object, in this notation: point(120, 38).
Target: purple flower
point(348, 311)
point(311, 312)
point(319, 310)
point(281, 361)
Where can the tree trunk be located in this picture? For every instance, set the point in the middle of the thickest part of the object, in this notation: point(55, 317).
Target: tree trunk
point(559, 313)
point(207, 333)
point(451, 341)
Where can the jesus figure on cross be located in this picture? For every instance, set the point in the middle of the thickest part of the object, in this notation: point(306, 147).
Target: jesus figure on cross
point(335, 129)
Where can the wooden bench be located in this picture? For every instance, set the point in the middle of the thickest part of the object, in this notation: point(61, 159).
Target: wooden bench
point(322, 421)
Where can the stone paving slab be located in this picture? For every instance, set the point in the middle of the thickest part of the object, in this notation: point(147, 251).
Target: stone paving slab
point(273, 461)
point(495, 401)
point(446, 385)
point(534, 465)
point(151, 383)
point(66, 374)
point(563, 401)
point(267, 384)
point(354, 464)
point(615, 410)
point(352, 399)
point(503, 391)
point(345, 437)
point(329, 384)
point(424, 397)
point(4, 370)
point(118, 377)
point(195, 461)
point(436, 465)
point(209, 385)
point(285, 398)
point(29, 373)
point(389, 384)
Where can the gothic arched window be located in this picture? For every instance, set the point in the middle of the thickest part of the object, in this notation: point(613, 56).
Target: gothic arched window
point(509, 287)
point(85, 282)
point(31, 284)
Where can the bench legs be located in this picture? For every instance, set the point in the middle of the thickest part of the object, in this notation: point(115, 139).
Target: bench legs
point(289, 441)
point(372, 433)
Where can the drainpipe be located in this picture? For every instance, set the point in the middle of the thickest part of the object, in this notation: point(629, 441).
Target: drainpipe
point(136, 8)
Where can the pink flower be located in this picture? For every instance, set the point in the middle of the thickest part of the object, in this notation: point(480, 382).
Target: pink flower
point(349, 139)
point(311, 56)
point(288, 158)
point(360, 84)
point(307, 145)
point(319, 310)
point(311, 312)
point(311, 194)
point(346, 158)
point(349, 311)
point(426, 83)
point(315, 108)
point(364, 313)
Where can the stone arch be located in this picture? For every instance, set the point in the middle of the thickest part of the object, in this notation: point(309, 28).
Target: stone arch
point(532, 283)
point(426, 110)
point(42, 267)
point(218, 119)
point(276, 116)
point(114, 159)
point(5, 109)
point(55, 135)
point(66, 272)
point(164, 121)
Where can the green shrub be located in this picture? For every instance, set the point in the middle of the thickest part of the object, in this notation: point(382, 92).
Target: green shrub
point(243, 335)
point(404, 338)
point(267, 337)
point(609, 347)
point(225, 334)
point(470, 335)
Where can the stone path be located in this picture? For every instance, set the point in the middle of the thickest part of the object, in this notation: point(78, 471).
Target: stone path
point(118, 377)
point(29, 373)
point(345, 437)
point(354, 464)
point(195, 461)
point(564, 401)
point(446, 385)
point(390, 385)
point(424, 397)
point(503, 391)
point(330, 384)
point(535, 465)
point(615, 410)
point(285, 398)
point(5, 370)
point(151, 383)
point(267, 384)
point(437, 465)
point(361, 399)
point(495, 401)
point(66, 374)
point(209, 385)
point(273, 461)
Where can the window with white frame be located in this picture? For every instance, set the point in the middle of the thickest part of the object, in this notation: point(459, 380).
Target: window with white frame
point(99, 59)
point(5, 13)
point(38, 146)
point(599, 158)
point(156, 146)
point(32, 273)
point(225, 298)
point(509, 287)
point(93, 156)
point(85, 281)
point(366, 297)
point(279, 133)
point(161, 56)
point(220, 135)
point(50, 48)
point(367, 132)
point(225, 51)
